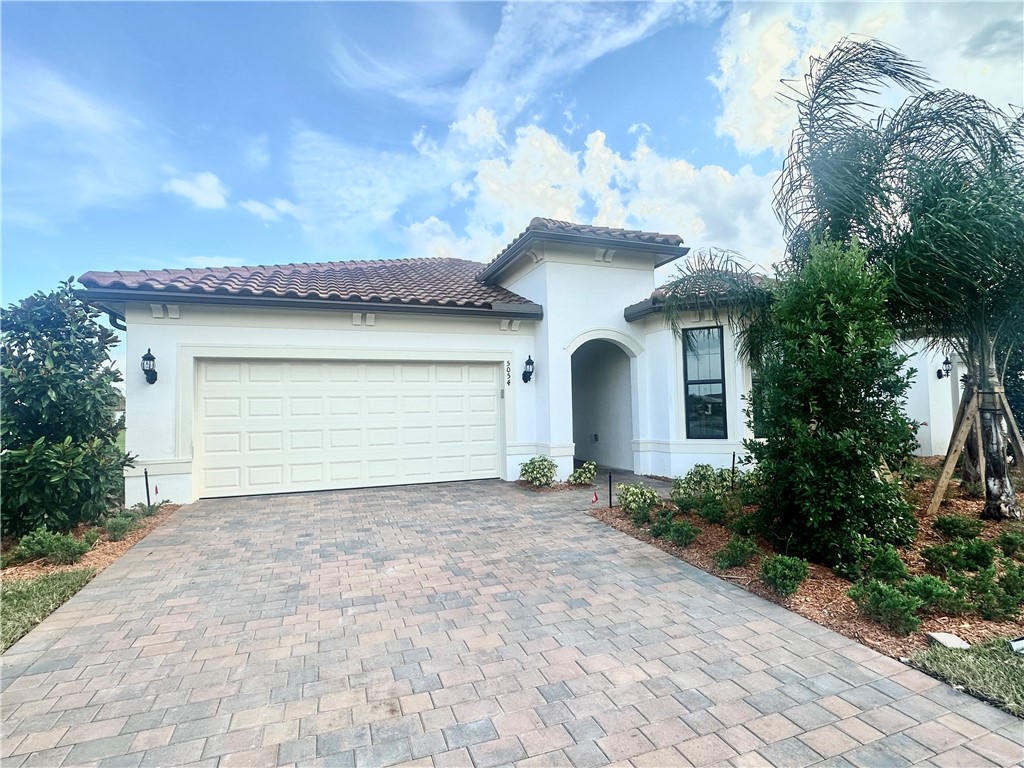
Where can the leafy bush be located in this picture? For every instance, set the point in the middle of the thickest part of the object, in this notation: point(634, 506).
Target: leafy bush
point(636, 497)
point(958, 527)
point(739, 551)
point(972, 490)
point(743, 525)
point(538, 471)
point(712, 509)
point(682, 533)
point(1012, 542)
point(60, 464)
point(142, 509)
point(936, 595)
point(887, 565)
point(120, 526)
point(960, 555)
point(662, 524)
point(987, 593)
point(685, 503)
point(584, 474)
point(830, 392)
point(885, 604)
point(58, 548)
point(783, 574)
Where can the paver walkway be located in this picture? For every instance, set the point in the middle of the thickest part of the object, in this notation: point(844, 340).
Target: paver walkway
point(463, 624)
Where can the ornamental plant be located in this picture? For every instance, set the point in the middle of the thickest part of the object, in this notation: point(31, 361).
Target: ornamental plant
point(829, 396)
point(783, 574)
point(538, 471)
point(637, 497)
point(61, 465)
point(583, 475)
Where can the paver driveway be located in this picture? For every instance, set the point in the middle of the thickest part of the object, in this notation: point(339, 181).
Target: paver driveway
point(473, 623)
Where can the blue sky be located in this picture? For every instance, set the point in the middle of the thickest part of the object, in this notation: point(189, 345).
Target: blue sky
point(149, 135)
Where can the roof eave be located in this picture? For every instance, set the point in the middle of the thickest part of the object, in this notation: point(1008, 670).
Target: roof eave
point(666, 253)
point(101, 296)
point(642, 309)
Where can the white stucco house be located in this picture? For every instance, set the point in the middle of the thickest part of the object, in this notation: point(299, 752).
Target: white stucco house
point(306, 377)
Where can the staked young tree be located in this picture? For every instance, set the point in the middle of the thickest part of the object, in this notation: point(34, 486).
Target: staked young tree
point(933, 190)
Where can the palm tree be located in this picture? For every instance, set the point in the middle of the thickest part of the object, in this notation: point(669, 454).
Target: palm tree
point(934, 191)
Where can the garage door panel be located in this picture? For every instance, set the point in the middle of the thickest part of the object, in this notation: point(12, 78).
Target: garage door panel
point(280, 426)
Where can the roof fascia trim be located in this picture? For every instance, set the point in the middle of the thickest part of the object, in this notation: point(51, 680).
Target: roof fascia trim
point(498, 309)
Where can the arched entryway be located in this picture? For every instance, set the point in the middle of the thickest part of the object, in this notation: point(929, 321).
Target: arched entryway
point(602, 405)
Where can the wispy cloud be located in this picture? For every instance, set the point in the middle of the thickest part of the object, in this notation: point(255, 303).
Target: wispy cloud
point(762, 44)
point(203, 190)
point(67, 148)
point(256, 152)
point(271, 212)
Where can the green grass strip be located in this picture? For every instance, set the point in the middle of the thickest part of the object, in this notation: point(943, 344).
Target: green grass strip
point(988, 670)
point(23, 604)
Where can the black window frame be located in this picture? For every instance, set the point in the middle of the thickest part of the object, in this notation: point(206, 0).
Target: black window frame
point(687, 383)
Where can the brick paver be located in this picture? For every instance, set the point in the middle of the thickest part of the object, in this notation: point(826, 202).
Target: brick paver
point(467, 624)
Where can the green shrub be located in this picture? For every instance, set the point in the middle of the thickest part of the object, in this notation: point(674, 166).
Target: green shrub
point(887, 565)
point(1012, 542)
point(743, 524)
point(661, 525)
point(142, 509)
point(61, 465)
point(682, 533)
point(712, 509)
point(960, 555)
point(829, 394)
point(636, 497)
point(702, 480)
point(685, 503)
point(538, 471)
point(583, 475)
point(986, 593)
point(58, 548)
point(783, 574)
point(739, 551)
point(936, 595)
point(1012, 582)
point(640, 516)
point(958, 527)
point(120, 526)
point(885, 604)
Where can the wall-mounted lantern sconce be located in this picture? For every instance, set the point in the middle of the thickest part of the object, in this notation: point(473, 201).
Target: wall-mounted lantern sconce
point(149, 366)
point(528, 370)
point(945, 370)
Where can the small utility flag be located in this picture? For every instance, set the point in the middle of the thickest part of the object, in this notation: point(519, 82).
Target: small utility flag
point(595, 498)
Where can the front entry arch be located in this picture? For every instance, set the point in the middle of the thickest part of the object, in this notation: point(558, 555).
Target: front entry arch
point(602, 405)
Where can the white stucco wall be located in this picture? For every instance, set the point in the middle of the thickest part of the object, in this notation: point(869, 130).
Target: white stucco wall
point(932, 401)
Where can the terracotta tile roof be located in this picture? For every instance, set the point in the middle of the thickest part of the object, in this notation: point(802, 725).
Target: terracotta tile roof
point(539, 227)
point(435, 282)
point(587, 230)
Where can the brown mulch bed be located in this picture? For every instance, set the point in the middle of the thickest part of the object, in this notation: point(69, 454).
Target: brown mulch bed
point(822, 597)
point(102, 554)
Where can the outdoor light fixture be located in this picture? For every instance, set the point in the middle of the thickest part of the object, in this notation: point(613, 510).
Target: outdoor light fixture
point(149, 366)
point(944, 371)
point(528, 370)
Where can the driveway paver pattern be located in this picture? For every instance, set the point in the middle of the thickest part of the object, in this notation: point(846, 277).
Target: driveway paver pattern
point(459, 624)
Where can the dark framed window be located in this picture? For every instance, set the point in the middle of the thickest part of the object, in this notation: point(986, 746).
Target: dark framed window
point(704, 382)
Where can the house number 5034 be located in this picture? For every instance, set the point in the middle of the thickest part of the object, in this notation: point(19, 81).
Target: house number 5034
point(508, 373)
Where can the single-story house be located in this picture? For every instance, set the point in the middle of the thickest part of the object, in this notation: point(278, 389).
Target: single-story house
point(304, 377)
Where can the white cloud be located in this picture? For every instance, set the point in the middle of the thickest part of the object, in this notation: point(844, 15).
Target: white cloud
point(204, 190)
point(974, 47)
point(66, 148)
point(479, 128)
point(272, 212)
point(256, 152)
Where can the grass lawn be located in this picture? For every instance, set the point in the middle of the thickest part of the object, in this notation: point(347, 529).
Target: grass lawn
point(988, 670)
point(23, 604)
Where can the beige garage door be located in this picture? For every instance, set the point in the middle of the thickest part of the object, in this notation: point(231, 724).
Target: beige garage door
point(282, 426)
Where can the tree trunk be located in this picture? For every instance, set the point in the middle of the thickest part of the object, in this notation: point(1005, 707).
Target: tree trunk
point(1000, 498)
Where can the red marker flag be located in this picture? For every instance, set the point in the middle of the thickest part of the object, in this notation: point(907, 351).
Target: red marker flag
point(595, 498)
